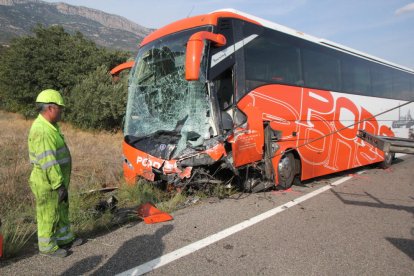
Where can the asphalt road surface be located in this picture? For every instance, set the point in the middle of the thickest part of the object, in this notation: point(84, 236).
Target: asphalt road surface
point(359, 225)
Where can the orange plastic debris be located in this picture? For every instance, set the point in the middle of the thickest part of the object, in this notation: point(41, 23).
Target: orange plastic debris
point(1, 245)
point(355, 175)
point(284, 192)
point(152, 215)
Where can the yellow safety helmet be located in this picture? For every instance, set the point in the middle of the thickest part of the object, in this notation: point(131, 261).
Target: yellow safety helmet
point(50, 96)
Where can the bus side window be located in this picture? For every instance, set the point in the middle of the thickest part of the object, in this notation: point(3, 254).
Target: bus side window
point(225, 89)
point(401, 85)
point(321, 69)
point(381, 80)
point(272, 58)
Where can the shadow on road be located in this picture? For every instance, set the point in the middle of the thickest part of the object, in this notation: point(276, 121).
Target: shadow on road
point(136, 251)
point(132, 253)
point(405, 245)
point(377, 204)
point(83, 266)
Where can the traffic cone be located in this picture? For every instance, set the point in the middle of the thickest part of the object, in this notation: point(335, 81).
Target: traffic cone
point(152, 215)
point(1, 245)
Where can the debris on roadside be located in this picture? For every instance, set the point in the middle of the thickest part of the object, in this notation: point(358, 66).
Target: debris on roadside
point(152, 215)
point(108, 204)
point(1, 243)
point(106, 199)
point(123, 215)
point(284, 192)
point(101, 191)
point(190, 201)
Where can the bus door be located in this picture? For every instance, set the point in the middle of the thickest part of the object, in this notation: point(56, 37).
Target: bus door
point(248, 138)
point(227, 75)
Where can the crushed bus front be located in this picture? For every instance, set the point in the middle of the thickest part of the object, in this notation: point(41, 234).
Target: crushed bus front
point(171, 171)
point(172, 130)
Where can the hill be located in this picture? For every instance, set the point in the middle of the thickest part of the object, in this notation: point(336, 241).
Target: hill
point(18, 17)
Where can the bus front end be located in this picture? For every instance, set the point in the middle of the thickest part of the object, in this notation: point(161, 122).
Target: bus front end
point(171, 129)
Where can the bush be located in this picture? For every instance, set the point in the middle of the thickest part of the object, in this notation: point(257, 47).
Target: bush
point(55, 59)
point(97, 103)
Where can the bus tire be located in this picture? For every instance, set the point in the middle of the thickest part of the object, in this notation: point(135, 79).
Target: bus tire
point(388, 157)
point(286, 170)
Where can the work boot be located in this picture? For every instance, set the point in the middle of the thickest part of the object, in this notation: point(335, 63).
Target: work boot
point(59, 253)
point(74, 243)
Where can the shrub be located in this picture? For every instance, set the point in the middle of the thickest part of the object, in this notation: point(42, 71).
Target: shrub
point(97, 103)
point(55, 59)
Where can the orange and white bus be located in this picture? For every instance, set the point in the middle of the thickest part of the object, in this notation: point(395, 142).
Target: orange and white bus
point(227, 95)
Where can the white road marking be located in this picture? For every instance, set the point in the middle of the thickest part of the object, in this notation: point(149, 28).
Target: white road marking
point(186, 250)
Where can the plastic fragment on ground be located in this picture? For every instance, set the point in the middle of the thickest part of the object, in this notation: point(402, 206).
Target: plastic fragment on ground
point(152, 215)
point(1, 246)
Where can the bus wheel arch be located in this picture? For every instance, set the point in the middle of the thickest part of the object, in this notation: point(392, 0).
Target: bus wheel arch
point(289, 169)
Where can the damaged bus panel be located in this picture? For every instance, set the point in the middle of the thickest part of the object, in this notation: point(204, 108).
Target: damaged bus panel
point(228, 97)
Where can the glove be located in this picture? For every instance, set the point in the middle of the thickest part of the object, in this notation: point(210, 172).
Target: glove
point(63, 194)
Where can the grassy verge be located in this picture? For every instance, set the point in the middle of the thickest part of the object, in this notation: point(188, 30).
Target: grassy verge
point(91, 213)
point(97, 163)
point(18, 228)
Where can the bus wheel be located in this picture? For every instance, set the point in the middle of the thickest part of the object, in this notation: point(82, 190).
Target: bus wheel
point(286, 170)
point(388, 157)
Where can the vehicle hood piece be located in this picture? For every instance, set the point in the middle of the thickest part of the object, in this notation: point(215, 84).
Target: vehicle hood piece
point(138, 162)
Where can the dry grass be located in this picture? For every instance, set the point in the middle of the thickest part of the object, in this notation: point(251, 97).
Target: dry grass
point(96, 163)
point(14, 162)
point(96, 157)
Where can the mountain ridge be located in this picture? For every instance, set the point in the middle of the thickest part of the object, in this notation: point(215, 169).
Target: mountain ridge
point(18, 17)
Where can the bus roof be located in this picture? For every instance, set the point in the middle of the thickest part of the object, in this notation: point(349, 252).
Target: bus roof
point(321, 41)
point(192, 22)
point(212, 19)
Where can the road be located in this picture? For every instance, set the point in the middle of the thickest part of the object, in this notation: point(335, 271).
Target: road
point(363, 226)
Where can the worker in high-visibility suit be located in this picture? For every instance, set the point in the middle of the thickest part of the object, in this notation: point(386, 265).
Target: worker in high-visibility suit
point(50, 177)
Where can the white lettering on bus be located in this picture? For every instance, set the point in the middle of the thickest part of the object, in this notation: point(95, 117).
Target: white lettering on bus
point(148, 163)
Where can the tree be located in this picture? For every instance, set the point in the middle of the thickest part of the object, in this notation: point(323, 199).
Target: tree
point(51, 58)
point(98, 103)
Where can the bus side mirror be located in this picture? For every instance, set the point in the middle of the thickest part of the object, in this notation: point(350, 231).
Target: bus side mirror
point(195, 46)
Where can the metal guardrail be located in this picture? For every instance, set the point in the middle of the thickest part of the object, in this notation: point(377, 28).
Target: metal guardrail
point(388, 144)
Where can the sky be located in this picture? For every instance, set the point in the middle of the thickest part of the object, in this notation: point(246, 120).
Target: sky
point(383, 28)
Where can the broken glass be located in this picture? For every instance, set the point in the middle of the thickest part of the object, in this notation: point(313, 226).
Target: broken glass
point(160, 99)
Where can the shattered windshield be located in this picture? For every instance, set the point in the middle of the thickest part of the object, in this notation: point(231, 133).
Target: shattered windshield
point(159, 97)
